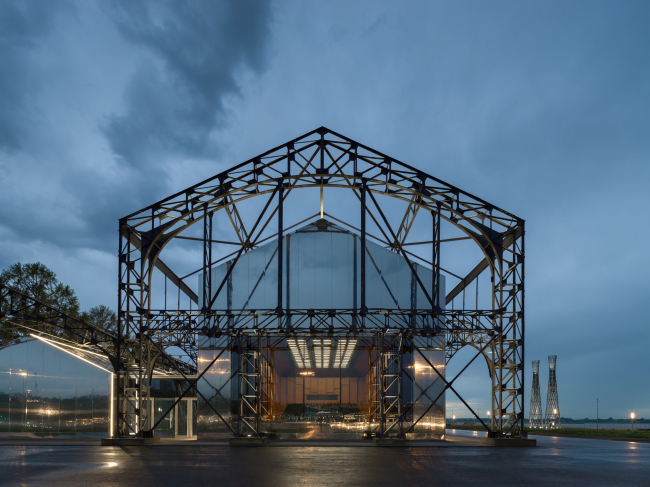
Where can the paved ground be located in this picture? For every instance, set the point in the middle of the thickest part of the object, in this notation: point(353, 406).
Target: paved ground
point(556, 461)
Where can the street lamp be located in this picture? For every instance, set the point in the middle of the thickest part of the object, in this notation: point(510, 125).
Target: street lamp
point(488, 415)
point(453, 418)
point(632, 416)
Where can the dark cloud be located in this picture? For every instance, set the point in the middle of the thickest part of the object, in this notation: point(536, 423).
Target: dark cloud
point(540, 108)
point(24, 27)
point(188, 62)
point(175, 101)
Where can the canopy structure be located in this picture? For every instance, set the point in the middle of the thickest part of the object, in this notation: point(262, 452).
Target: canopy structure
point(181, 291)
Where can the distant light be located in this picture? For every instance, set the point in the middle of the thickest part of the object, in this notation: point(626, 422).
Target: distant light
point(554, 411)
point(632, 416)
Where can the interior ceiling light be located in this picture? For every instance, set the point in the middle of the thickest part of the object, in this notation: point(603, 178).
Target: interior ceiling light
point(324, 353)
point(300, 353)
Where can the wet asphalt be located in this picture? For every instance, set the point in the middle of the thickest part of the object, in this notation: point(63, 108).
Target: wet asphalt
point(555, 461)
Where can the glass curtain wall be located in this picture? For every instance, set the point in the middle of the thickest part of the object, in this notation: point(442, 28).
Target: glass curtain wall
point(45, 391)
point(321, 272)
point(320, 386)
point(180, 420)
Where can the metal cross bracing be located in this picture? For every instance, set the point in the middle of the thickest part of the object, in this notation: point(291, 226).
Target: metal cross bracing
point(255, 394)
point(535, 416)
point(27, 315)
point(393, 354)
point(322, 159)
point(552, 417)
point(390, 387)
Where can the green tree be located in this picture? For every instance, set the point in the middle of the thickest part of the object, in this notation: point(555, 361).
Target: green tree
point(101, 316)
point(39, 282)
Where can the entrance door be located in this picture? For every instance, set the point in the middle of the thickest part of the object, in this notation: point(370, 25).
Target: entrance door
point(179, 422)
point(182, 425)
point(186, 413)
point(167, 427)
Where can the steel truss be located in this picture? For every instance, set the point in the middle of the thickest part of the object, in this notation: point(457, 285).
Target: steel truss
point(27, 315)
point(535, 416)
point(552, 418)
point(320, 159)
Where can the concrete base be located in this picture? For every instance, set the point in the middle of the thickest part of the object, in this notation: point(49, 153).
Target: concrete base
point(130, 441)
point(517, 442)
point(390, 442)
point(249, 441)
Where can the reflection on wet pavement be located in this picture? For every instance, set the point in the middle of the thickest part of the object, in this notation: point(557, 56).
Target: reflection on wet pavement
point(556, 461)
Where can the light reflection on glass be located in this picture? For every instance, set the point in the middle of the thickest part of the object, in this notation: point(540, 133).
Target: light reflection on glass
point(321, 386)
point(45, 390)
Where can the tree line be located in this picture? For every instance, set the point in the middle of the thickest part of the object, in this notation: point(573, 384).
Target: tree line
point(40, 282)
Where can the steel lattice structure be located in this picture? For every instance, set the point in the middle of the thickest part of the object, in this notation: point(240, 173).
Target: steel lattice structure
point(535, 416)
point(321, 159)
point(27, 315)
point(552, 416)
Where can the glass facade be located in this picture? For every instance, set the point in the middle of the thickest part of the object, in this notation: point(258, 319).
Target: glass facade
point(45, 390)
point(52, 388)
point(320, 386)
point(321, 271)
point(180, 421)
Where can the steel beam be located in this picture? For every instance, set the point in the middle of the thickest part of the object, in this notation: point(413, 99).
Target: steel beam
point(298, 164)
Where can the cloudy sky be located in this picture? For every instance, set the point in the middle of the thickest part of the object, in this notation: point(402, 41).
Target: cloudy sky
point(538, 107)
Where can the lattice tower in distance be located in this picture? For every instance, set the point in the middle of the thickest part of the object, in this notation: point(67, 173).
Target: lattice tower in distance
point(552, 417)
point(536, 415)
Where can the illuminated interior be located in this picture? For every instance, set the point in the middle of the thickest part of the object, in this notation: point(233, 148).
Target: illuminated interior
point(324, 354)
point(324, 384)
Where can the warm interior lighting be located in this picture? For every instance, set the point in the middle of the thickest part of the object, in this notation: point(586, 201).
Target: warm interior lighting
point(425, 366)
point(347, 349)
point(307, 373)
point(216, 361)
point(300, 353)
point(323, 353)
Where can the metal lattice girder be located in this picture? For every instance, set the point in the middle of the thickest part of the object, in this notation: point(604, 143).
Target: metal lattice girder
point(323, 158)
point(255, 387)
point(535, 416)
point(390, 386)
point(249, 393)
point(27, 314)
point(552, 417)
